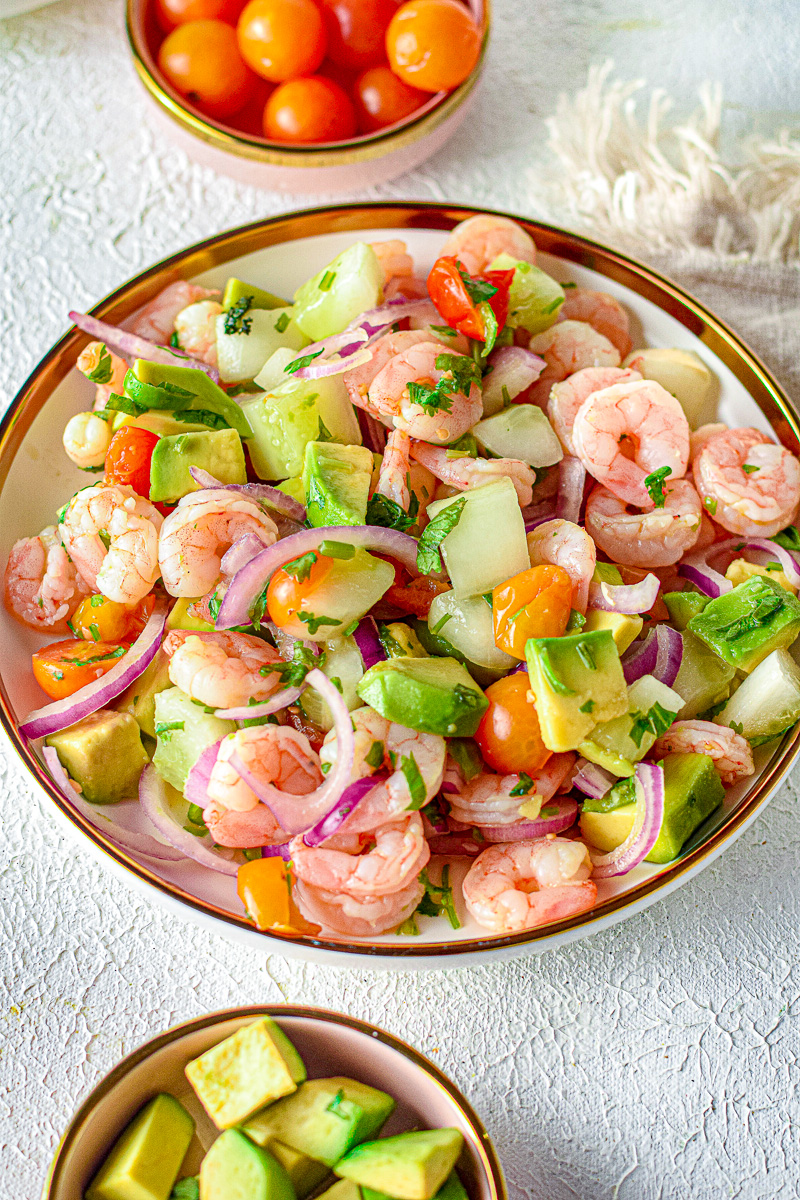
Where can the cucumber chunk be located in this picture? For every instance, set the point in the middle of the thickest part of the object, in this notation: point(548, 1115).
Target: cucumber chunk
point(521, 431)
point(242, 355)
point(534, 298)
point(347, 287)
point(768, 701)
point(468, 625)
point(488, 545)
point(293, 414)
point(184, 730)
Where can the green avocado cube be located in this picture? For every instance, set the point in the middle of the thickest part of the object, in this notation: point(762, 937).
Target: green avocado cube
point(217, 451)
point(433, 695)
point(410, 1166)
point(182, 389)
point(104, 754)
point(235, 1169)
point(682, 606)
point(747, 624)
point(577, 682)
point(336, 482)
point(343, 1189)
point(145, 1160)
point(236, 290)
point(305, 1173)
point(692, 790)
point(251, 1068)
point(451, 1189)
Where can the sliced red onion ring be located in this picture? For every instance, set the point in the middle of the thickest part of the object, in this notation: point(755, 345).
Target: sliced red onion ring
point(240, 554)
point(537, 514)
point(512, 368)
point(571, 478)
point(625, 597)
point(593, 780)
point(376, 320)
point(788, 561)
point(100, 692)
point(368, 642)
point(142, 844)
point(660, 654)
point(153, 799)
point(374, 434)
point(695, 568)
point(256, 491)
point(523, 831)
point(351, 797)
point(196, 788)
point(249, 582)
point(251, 712)
point(455, 845)
point(646, 825)
point(279, 851)
point(130, 345)
point(350, 343)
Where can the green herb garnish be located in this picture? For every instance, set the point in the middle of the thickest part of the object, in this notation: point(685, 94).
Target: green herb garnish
point(297, 364)
point(375, 755)
point(429, 558)
point(656, 721)
point(524, 787)
point(413, 777)
point(326, 282)
point(387, 514)
point(300, 568)
point(235, 321)
point(341, 550)
point(314, 623)
point(282, 323)
point(655, 485)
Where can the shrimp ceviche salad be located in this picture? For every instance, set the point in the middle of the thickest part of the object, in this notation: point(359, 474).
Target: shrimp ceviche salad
point(411, 598)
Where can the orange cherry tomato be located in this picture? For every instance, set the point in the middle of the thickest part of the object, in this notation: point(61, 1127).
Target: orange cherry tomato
point(381, 99)
point(357, 31)
point(265, 889)
point(508, 736)
point(128, 458)
point(459, 297)
point(282, 39)
point(201, 60)
point(177, 12)
point(309, 110)
point(98, 619)
point(65, 667)
point(412, 595)
point(536, 603)
point(139, 617)
point(433, 44)
point(292, 591)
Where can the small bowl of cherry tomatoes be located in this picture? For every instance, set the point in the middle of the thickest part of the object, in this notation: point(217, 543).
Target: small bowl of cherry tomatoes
point(310, 95)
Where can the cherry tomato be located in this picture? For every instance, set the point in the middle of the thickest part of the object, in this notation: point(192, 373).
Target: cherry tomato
point(459, 297)
point(98, 619)
point(413, 595)
point(309, 110)
point(251, 118)
point(265, 889)
point(64, 667)
point(381, 99)
point(508, 736)
point(128, 458)
point(293, 591)
point(282, 39)
point(536, 603)
point(139, 618)
point(201, 60)
point(177, 12)
point(433, 44)
point(357, 31)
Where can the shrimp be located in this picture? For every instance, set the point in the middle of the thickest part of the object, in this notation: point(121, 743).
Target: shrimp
point(395, 260)
point(653, 537)
point(358, 380)
point(428, 319)
point(196, 328)
point(456, 412)
point(565, 545)
point(393, 478)
point(86, 439)
point(392, 797)
point(731, 753)
point(488, 799)
point(42, 586)
point(750, 485)
point(364, 917)
point(464, 473)
point(567, 397)
point(602, 312)
point(699, 437)
point(567, 347)
point(222, 670)
point(156, 321)
point(197, 533)
point(111, 534)
point(641, 418)
point(521, 885)
point(477, 242)
point(399, 853)
point(88, 362)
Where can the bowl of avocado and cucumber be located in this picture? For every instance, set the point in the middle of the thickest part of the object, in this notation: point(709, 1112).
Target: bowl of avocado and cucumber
point(275, 1103)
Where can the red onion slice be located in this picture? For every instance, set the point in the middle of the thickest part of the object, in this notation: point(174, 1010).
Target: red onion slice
point(353, 354)
point(251, 712)
point(272, 496)
point(249, 582)
point(523, 831)
point(571, 478)
point(593, 780)
point(100, 692)
point(660, 654)
point(537, 514)
point(240, 554)
point(373, 433)
point(153, 799)
point(196, 788)
point(695, 568)
point(279, 851)
point(514, 369)
point(394, 310)
point(368, 642)
point(351, 797)
point(625, 597)
point(130, 345)
point(646, 825)
point(788, 561)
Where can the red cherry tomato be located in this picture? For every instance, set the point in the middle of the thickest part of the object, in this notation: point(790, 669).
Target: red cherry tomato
point(64, 667)
point(457, 296)
point(282, 39)
point(357, 31)
point(128, 458)
point(309, 110)
point(294, 591)
point(381, 99)
point(433, 44)
point(201, 60)
point(177, 12)
point(509, 736)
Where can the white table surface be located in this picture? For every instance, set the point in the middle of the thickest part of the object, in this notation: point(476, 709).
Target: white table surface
point(656, 1060)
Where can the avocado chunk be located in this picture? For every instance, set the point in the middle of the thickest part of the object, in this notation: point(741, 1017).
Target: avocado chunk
point(184, 730)
point(345, 1189)
point(182, 389)
point(682, 606)
point(411, 1166)
point(747, 624)
point(251, 1068)
point(324, 1118)
point(181, 618)
point(618, 744)
point(236, 290)
point(401, 641)
point(145, 1160)
point(607, 830)
point(433, 695)
point(740, 570)
point(218, 451)
point(140, 698)
point(625, 628)
point(336, 482)
point(305, 1173)
point(157, 421)
point(578, 682)
point(104, 754)
point(235, 1169)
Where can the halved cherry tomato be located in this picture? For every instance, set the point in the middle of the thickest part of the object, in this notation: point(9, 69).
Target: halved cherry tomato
point(536, 603)
point(457, 296)
point(381, 99)
point(177, 12)
point(282, 39)
point(413, 595)
point(314, 109)
point(357, 31)
point(98, 619)
point(433, 44)
point(65, 667)
point(293, 591)
point(265, 889)
point(509, 736)
point(201, 59)
point(139, 618)
point(128, 458)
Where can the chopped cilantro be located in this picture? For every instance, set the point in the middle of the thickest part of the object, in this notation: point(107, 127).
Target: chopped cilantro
point(548, 670)
point(314, 623)
point(337, 683)
point(195, 814)
point(748, 468)
point(97, 601)
point(389, 643)
point(117, 652)
point(300, 568)
point(489, 598)
point(324, 434)
point(587, 707)
point(94, 630)
point(443, 330)
point(326, 282)
point(789, 538)
point(440, 624)
point(388, 515)
point(710, 504)
point(335, 1106)
point(478, 290)
point(656, 720)
point(429, 558)
point(655, 485)
point(585, 655)
point(431, 399)
point(102, 370)
point(416, 784)
point(466, 755)
point(124, 404)
point(336, 549)
point(186, 1189)
point(292, 674)
point(235, 321)
point(375, 755)
point(524, 787)
point(576, 621)
point(506, 396)
point(297, 364)
point(282, 323)
point(164, 729)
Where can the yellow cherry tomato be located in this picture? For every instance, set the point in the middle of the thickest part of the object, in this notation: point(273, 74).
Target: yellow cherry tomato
point(536, 603)
point(264, 886)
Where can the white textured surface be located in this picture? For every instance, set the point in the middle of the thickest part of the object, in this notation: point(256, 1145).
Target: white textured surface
point(659, 1059)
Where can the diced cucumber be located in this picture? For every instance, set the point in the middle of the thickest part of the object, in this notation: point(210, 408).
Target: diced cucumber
point(703, 679)
point(520, 431)
point(467, 625)
point(300, 411)
point(273, 373)
point(681, 372)
point(343, 664)
point(488, 545)
point(241, 355)
point(618, 744)
point(345, 289)
point(768, 701)
point(183, 730)
point(534, 299)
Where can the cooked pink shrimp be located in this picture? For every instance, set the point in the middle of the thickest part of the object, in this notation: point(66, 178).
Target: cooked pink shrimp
point(88, 363)
point(602, 312)
point(641, 418)
point(567, 347)
point(464, 473)
point(42, 587)
point(652, 537)
point(521, 885)
point(156, 320)
point(393, 479)
point(196, 327)
point(566, 545)
point(197, 533)
point(397, 857)
point(567, 397)
point(383, 351)
point(487, 799)
point(86, 439)
point(731, 753)
point(477, 242)
point(222, 670)
point(389, 396)
point(698, 438)
point(395, 260)
point(750, 485)
point(362, 917)
point(111, 534)
point(422, 484)
point(429, 321)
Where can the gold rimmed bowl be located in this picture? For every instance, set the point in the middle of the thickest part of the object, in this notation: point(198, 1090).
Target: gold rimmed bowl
point(356, 163)
point(329, 1044)
point(279, 254)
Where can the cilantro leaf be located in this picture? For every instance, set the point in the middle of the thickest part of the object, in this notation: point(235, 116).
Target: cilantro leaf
point(282, 323)
point(478, 290)
point(314, 623)
point(428, 557)
point(186, 1189)
point(431, 399)
point(710, 505)
point(523, 788)
point(490, 329)
point(655, 485)
point(235, 321)
point(416, 784)
point(656, 721)
point(297, 364)
point(300, 568)
point(292, 674)
point(102, 370)
point(789, 538)
point(388, 515)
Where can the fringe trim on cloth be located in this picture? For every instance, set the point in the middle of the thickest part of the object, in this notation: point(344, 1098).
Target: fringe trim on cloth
point(655, 186)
